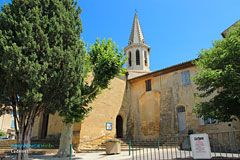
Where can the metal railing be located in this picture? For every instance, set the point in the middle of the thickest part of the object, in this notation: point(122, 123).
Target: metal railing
point(224, 145)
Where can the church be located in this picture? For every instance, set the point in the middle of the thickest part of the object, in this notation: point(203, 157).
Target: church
point(140, 105)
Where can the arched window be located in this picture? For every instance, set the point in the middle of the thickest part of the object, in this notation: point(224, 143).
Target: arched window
point(145, 58)
point(130, 59)
point(181, 109)
point(137, 57)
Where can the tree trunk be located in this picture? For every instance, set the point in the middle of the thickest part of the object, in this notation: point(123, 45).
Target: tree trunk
point(23, 139)
point(65, 140)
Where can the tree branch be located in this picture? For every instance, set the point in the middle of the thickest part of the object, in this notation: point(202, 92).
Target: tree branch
point(91, 93)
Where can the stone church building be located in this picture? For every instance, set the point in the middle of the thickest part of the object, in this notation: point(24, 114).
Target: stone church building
point(141, 105)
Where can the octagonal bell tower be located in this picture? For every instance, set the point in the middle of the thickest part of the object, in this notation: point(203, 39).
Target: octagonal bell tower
point(137, 50)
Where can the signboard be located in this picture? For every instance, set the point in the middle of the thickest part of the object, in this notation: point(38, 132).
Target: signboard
point(108, 126)
point(200, 146)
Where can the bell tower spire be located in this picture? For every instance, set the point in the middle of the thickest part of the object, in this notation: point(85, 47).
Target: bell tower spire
point(136, 35)
point(137, 50)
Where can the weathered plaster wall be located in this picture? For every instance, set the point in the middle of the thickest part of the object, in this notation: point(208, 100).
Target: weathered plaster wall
point(154, 113)
point(5, 122)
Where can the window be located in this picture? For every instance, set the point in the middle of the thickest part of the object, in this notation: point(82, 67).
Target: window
point(207, 121)
point(181, 109)
point(12, 124)
point(130, 59)
point(148, 85)
point(137, 57)
point(185, 78)
point(145, 57)
point(13, 115)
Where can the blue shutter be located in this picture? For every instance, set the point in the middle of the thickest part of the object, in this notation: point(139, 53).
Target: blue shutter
point(185, 77)
point(12, 124)
point(188, 77)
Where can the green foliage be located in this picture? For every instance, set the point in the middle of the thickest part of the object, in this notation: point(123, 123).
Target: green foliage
point(103, 63)
point(42, 57)
point(2, 134)
point(220, 73)
point(106, 62)
point(44, 62)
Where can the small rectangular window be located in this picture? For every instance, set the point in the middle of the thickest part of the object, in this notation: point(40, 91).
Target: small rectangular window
point(148, 85)
point(185, 78)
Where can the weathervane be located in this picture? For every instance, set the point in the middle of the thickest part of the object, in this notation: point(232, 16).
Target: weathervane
point(135, 10)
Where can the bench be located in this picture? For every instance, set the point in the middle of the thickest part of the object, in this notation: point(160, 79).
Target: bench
point(2, 156)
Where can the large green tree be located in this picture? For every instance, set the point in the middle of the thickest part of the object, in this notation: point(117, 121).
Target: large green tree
point(219, 78)
point(44, 66)
point(104, 62)
point(42, 60)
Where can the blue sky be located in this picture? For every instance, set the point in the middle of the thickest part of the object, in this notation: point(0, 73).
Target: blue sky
point(176, 30)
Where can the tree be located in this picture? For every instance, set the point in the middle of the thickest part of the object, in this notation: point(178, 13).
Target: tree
point(41, 56)
point(220, 74)
point(103, 63)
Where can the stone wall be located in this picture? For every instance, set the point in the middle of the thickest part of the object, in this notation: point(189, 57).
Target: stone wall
point(106, 108)
point(154, 113)
point(91, 132)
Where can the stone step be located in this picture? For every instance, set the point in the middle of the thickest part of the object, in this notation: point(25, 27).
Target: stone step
point(101, 149)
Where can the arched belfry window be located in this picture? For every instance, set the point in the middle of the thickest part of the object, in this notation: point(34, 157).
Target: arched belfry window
point(145, 58)
point(137, 57)
point(130, 59)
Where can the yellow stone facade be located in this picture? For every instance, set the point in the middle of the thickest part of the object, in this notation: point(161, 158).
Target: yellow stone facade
point(141, 105)
point(145, 114)
point(154, 113)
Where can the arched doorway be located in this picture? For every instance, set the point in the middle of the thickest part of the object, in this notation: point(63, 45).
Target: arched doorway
point(119, 126)
point(44, 126)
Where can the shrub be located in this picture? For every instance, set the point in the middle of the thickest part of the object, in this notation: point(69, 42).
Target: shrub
point(2, 133)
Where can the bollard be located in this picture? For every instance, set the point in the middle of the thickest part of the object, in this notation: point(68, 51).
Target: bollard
point(129, 147)
point(70, 156)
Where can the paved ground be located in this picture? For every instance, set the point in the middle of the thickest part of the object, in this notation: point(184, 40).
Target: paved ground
point(124, 155)
point(81, 156)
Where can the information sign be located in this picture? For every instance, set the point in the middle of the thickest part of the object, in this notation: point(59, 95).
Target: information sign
point(200, 146)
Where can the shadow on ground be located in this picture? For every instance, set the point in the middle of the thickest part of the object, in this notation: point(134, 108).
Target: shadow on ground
point(45, 157)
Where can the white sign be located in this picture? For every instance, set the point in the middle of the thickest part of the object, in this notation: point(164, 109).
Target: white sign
point(200, 146)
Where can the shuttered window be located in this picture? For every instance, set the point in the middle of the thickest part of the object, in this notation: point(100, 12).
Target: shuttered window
point(12, 124)
point(148, 85)
point(185, 78)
